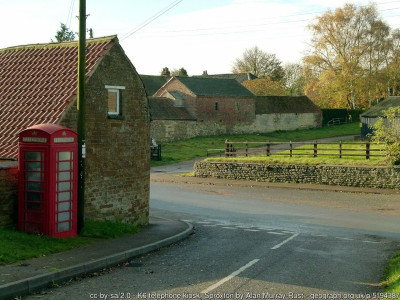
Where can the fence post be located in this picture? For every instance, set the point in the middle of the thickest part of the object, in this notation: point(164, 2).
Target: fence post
point(367, 148)
point(268, 148)
point(226, 148)
point(291, 148)
point(315, 149)
point(247, 149)
point(340, 149)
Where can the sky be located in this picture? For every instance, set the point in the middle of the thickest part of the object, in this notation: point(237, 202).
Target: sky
point(197, 35)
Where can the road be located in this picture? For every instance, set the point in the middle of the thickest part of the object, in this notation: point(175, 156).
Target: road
point(257, 242)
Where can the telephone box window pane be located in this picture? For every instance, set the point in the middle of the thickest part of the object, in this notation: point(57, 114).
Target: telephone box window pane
point(31, 196)
point(65, 196)
point(33, 176)
point(35, 156)
point(63, 176)
point(65, 155)
point(33, 166)
point(63, 226)
point(62, 206)
point(32, 206)
point(33, 186)
point(64, 186)
point(64, 216)
point(64, 166)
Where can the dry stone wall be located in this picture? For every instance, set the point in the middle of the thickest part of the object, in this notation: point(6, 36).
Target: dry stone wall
point(358, 176)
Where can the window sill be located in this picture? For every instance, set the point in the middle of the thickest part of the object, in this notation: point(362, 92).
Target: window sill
point(115, 117)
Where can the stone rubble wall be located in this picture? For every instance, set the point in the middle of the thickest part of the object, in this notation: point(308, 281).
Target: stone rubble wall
point(357, 176)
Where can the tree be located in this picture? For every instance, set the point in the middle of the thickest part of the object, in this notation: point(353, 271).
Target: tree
point(179, 72)
point(259, 63)
point(293, 79)
point(64, 34)
point(345, 44)
point(265, 87)
point(387, 131)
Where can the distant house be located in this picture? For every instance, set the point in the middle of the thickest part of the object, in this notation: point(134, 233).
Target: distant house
point(222, 104)
point(38, 84)
point(286, 113)
point(369, 118)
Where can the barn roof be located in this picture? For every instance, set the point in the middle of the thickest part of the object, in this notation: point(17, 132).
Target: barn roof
point(153, 83)
point(378, 109)
point(38, 82)
point(215, 87)
point(284, 104)
point(162, 108)
point(240, 77)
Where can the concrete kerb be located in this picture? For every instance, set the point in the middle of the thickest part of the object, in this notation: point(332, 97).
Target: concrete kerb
point(32, 284)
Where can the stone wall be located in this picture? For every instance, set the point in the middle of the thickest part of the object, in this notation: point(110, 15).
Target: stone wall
point(371, 177)
point(8, 194)
point(288, 121)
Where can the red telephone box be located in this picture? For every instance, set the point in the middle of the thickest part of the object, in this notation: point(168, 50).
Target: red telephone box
point(48, 174)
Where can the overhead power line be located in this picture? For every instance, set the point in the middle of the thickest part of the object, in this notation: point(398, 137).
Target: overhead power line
point(152, 18)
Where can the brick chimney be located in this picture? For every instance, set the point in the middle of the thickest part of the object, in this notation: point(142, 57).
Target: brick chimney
point(165, 72)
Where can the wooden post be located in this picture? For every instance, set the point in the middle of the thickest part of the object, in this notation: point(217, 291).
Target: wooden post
point(226, 148)
point(81, 106)
point(340, 149)
point(247, 149)
point(291, 148)
point(367, 149)
point(268, 148)
point(315, 149)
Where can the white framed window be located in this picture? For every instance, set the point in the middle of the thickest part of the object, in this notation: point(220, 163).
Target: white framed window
point(114, 99)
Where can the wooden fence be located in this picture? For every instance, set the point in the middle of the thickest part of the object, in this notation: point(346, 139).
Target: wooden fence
point(365, 149)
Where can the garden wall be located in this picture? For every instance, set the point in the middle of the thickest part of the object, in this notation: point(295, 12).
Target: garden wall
point(8, 194)
point(358, 176)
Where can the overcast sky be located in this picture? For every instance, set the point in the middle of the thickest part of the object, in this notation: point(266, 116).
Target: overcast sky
point(195, 34)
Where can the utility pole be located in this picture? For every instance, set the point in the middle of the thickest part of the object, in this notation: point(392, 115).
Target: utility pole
point(81, 105)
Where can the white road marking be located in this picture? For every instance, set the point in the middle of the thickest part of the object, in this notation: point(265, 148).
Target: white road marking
point(209, 225)
point(285, 241)
point(230, 228)
point(343, 238)
point(277, 233)
point(234, 274)
point(253, 230)
point(372, 242)
point(203, 222)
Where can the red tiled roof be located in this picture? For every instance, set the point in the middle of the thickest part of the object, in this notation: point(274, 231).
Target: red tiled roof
point(37, 83)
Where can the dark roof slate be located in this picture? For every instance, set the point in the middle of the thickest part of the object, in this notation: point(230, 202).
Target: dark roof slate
point(153, 83)
point(285, 104)
point(38, 82)
point(215, 87)
point(378, 109)
point(240, 77)
point(162, 108)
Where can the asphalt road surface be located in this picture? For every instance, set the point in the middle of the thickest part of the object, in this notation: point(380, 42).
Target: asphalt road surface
point(257, 242)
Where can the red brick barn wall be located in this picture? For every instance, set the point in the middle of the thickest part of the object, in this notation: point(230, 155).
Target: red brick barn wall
point(117, 178)
point(231, 111)
point(189, 100)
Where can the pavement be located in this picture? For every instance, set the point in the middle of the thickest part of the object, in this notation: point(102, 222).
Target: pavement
point(38, 273)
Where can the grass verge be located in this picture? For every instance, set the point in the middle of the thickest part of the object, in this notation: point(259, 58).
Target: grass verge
point(391, 283)
point(174, 152)
point(16, 246)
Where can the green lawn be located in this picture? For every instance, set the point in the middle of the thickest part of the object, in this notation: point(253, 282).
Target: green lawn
point(173, 152)
point(16, 246)
point(392, 276)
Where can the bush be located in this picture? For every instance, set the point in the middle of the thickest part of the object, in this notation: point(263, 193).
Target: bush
point(387, 131)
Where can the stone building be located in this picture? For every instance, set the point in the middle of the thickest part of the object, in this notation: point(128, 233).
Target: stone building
point(38, 84)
